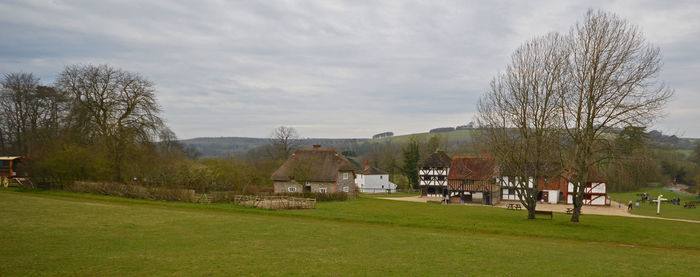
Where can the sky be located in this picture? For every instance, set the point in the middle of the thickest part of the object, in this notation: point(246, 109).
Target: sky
point(330, 69)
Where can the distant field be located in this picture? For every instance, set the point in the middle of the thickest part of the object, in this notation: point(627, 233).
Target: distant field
point(53, 233)
point(452, 137)
point(667, 209)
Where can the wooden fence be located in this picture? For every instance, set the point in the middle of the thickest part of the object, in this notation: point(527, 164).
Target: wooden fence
point(275, 202)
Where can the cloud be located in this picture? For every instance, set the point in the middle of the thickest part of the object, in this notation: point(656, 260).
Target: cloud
point(331, 68)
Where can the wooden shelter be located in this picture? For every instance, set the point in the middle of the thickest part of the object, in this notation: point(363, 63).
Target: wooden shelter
point(9, 169)
point(472, 179)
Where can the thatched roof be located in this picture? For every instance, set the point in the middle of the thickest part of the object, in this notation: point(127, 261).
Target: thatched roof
point(469, 168)
point(319, 164)
point(437, 159)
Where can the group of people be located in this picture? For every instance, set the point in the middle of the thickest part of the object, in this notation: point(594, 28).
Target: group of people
point(674, 201)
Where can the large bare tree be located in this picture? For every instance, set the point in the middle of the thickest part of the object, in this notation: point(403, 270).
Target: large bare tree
point(283, 142)
point(521, 112)
point(612, 82)
point(111, 106)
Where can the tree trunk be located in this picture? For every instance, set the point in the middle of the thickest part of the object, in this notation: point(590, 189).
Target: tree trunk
point(531, 212)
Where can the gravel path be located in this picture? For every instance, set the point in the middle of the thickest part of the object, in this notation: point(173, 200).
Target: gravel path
point(615, 208)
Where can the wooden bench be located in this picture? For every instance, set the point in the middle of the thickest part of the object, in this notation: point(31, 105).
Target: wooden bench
point(512, 206)
point(549, 213)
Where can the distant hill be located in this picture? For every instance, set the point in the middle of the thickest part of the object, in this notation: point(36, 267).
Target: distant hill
point(227, 146)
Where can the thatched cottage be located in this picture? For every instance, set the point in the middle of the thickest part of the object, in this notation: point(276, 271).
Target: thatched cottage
point(315, 169)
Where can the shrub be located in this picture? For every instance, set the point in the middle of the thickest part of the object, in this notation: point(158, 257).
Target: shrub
point(133, 191)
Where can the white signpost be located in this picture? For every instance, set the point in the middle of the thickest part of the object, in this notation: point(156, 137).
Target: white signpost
point(658, 203)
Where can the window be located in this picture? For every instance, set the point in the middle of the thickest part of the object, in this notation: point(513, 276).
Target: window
point(346, 189)
point(511, 191)
point(345, 175)
point(322, 190)
point(292, 189)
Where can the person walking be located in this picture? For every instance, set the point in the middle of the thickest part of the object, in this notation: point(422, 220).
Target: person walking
point(629, 205)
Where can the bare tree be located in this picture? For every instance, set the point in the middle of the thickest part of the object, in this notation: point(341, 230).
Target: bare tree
point(112, 106)
point(522, 114)
point(283, 142)
point(611, 76)
point(30, 113)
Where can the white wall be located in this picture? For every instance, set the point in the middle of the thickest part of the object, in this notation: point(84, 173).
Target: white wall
point(374, 183)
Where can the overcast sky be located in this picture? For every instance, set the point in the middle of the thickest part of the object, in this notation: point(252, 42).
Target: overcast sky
point(328, 68)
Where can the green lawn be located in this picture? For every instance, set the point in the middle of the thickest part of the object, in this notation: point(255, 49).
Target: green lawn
point(395, 194)
point(55, 233)
point(667, 209)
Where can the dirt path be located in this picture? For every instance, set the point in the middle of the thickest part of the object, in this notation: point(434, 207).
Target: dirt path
point(615, 208)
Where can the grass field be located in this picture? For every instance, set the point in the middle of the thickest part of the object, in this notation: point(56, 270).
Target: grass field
point(395, 194)
point(453, 136)
point(667, 209)
point(56, 233)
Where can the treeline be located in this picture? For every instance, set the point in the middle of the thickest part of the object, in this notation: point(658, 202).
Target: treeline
point(101, 123)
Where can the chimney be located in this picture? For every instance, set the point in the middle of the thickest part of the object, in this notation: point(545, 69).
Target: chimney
point(366, 164)
point(317, 146)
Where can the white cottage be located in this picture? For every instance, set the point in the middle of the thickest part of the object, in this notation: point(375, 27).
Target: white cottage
point(374, 180)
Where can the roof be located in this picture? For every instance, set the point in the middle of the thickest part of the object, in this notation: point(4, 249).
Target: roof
point(437, 159)
point(470, 168)
point(372, 171)
point(10, 158)
point(321, 165)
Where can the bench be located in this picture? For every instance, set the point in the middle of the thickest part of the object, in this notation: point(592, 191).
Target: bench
point(514, 206)
point(549, 213)
point(689, 205)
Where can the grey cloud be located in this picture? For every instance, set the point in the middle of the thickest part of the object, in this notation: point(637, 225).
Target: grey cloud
point(331, 68)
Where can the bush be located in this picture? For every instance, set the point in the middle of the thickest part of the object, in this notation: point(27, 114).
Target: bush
point(133, 191)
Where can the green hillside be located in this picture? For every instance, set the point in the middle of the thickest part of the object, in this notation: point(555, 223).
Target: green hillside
point(456, 136)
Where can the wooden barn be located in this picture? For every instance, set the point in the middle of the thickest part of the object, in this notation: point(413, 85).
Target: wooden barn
point(472, 179)
point(433, 173)
point(315, 169)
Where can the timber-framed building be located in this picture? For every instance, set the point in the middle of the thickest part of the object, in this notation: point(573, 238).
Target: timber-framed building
point(433, 173)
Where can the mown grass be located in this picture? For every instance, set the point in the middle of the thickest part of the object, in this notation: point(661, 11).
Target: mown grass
point(667, 209)
point(50, 234)
point(476, 219)
point(385, 195)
